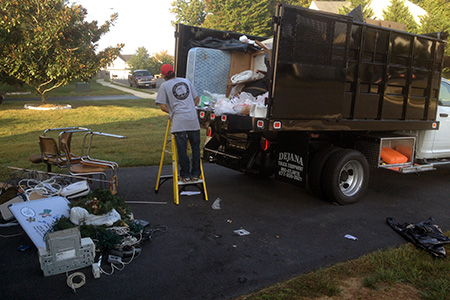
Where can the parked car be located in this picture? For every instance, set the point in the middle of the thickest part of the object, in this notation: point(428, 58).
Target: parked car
point(141, 78)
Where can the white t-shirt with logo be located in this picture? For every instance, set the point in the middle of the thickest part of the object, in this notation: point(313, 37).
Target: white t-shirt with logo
point(179, 94)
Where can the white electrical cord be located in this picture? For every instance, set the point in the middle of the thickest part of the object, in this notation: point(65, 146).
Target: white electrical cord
point(46, 188)
point(74, 285)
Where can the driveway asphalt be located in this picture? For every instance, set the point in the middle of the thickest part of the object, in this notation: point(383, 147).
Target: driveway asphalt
point(200, 256)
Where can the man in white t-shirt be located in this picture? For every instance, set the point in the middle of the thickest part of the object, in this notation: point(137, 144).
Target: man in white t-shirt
point(177, 97)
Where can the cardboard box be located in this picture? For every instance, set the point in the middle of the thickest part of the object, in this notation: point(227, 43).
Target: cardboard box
point(387, 24)
point(240, 62)
point(246, 61)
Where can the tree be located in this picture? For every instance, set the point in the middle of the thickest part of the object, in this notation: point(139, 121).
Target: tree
point(189, 12)
point(437, 18)
point(397, 11)
point(47, 43)
point(140, 60)
point(160, 59)
point(245, 16)
point(365, 6)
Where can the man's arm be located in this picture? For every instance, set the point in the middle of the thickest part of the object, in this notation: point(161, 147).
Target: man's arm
point(165, 108)
point(196, 99)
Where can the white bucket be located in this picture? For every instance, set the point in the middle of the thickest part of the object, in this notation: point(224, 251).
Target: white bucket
point(257, 111)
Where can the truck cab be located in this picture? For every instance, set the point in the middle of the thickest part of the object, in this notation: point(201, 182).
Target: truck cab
point(435, 144)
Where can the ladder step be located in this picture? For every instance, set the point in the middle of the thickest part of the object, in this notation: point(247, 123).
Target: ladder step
point(180, 182)
point(178, 185)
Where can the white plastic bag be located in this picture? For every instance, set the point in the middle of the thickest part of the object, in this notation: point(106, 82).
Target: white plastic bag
point(224, 106)
point(245, 76)
point(261, 99)
point(79, 215)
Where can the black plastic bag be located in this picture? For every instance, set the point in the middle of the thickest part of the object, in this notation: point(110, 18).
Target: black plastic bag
point(426, 235)
point(231, 44)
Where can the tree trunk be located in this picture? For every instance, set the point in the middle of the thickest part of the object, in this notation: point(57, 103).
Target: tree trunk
point(43, 99)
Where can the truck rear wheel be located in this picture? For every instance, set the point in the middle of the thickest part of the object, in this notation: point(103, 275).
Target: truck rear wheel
point(346, 176)
point(315, 170)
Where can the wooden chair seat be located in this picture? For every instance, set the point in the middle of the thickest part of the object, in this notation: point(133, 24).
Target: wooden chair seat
point(84, 169)
point(36, 158)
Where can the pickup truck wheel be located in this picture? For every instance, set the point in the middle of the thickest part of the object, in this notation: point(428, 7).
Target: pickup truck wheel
point(315, 170)
point(346, 176)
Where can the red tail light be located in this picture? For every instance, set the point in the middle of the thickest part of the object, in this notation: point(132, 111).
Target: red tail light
point(277, 125)
point(264, 144)
point(213, 117)
point(209, 132)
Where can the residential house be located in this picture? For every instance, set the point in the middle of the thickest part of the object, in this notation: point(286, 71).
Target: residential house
point(328, 6)
point(377, 6)
point(119, 69)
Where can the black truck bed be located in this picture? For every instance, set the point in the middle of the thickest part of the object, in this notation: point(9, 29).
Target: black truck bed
point(331, 73)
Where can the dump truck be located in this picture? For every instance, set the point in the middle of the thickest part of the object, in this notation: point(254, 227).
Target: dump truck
point(343, 96)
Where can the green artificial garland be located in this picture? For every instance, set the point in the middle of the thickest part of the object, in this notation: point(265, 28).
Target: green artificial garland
point(100, 202)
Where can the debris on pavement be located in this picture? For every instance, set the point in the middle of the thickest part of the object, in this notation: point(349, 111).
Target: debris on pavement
point(216, 204)
point(350, 237)
point(241, 232)
point(425, 235)
point(190, 193)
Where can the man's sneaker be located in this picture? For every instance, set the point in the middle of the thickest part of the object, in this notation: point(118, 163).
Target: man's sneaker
point(185, 179)
point(194, 178)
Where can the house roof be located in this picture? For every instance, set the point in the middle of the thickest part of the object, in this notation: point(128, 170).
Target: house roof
point(125, 57)
point(377, 7)
point(328, 6)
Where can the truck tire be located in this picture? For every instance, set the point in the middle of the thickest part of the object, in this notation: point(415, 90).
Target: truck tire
point(346, 176)
point(315, 170)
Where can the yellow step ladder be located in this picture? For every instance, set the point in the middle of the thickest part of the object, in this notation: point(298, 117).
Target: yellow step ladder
point(178, 185)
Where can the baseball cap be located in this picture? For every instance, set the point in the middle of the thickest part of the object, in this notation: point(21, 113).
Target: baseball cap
point(166, 70)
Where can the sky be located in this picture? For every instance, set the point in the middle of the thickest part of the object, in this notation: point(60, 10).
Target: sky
point(141, 23)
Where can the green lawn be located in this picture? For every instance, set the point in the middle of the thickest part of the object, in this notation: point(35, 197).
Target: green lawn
point(95, 89)
point(141, 121)
point(403, 273)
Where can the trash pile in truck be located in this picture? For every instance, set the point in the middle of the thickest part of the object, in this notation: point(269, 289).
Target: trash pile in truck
point(230, 76)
